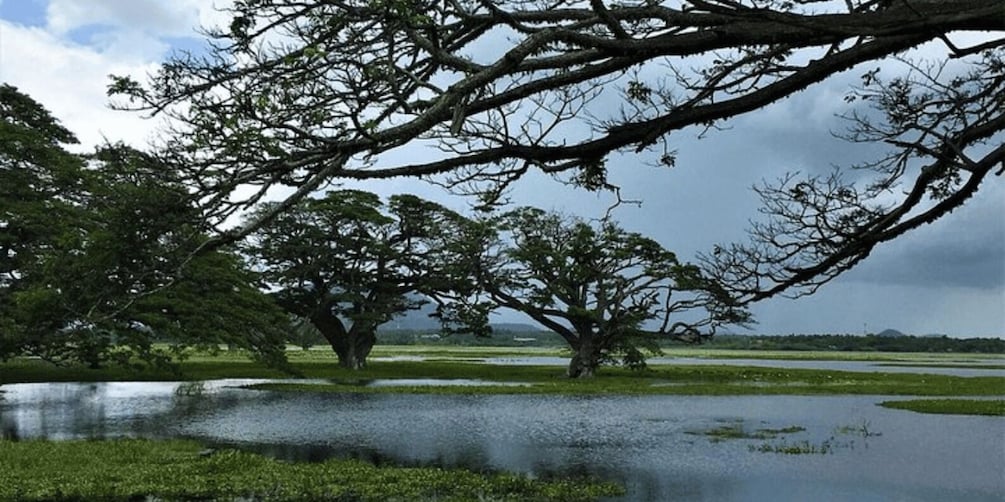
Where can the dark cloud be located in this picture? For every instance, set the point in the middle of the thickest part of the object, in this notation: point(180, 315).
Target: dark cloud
point(963, 249)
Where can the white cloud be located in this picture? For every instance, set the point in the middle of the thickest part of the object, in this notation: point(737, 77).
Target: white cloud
point(177, 18)
point(132, 29)
point(122, 37)
point(70, 81)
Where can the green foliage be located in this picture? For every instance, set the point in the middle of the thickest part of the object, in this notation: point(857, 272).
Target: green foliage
point(175, 470)
point(611, 294)
point(98, 255)
point(38, 179)
point(349, 263)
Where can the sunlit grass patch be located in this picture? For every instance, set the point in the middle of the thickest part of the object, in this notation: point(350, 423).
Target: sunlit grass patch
point(989, 407)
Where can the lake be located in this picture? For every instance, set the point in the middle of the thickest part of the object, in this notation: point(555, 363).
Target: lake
point(655, 445)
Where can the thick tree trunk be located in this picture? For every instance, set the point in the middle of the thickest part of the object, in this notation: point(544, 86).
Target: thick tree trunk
point(355, 348)
point(584, 361)
point(352, 346)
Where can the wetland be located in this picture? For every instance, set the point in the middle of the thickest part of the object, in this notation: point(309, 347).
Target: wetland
point(674, 432)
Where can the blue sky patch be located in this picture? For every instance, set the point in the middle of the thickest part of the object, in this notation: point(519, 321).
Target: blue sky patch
point(24, 12)
point(89, 34)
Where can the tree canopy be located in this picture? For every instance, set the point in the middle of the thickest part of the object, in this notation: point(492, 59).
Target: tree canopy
point(349, 263)
point(90, 244)
point(613, 295)
point(303, 93)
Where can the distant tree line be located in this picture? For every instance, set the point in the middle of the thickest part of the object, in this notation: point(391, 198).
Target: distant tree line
point(865, 343)
point(826, 343)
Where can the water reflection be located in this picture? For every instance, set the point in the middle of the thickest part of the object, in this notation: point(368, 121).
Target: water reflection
point(652, 444)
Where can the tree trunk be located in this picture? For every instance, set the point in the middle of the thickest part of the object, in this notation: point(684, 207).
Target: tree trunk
point(352, 346)
point(584, 361)
point(356, 347)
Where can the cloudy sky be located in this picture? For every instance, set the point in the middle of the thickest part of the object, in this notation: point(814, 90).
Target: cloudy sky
point(948, 277)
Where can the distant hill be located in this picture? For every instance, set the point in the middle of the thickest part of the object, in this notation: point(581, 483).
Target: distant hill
point(890, 333)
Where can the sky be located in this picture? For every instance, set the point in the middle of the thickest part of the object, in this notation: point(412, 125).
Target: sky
point(945, 278)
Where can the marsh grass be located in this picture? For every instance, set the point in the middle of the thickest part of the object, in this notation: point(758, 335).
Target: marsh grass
point(861, 430)
point(776, 440)
point(736, 430)
point(131, 469)
point(988, 407)
point(675, 380)
point(658, 379)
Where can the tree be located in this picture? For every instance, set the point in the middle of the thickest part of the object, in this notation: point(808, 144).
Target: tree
point(948, 130)
point(34, 171)
point(608, 292)
point(348, 263)
point(300, 93)
point(98, 260)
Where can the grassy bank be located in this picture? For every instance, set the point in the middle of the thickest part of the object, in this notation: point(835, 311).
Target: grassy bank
point(177, 470)
point(698, 351)
point(659, 379)
point(989, 407)
point(677, 380)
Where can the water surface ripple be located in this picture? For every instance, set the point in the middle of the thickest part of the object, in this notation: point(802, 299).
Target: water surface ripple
point(652, 444)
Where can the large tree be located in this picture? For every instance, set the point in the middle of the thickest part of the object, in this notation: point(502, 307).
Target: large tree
point(34, 169)
point(349, 263)
point(611, 294)
point(97, 255)
point(299, 93)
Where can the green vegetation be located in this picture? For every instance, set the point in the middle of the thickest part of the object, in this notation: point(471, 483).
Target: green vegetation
point(857, 343)
point(180, 470)
point(349, 262)
point(793, 346)
point(994, 407)
point(605, 290)
point(658, 379)
point(89, 244)
point(736, 430)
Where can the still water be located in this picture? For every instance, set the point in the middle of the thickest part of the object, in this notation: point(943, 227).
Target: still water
point(652, 444)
